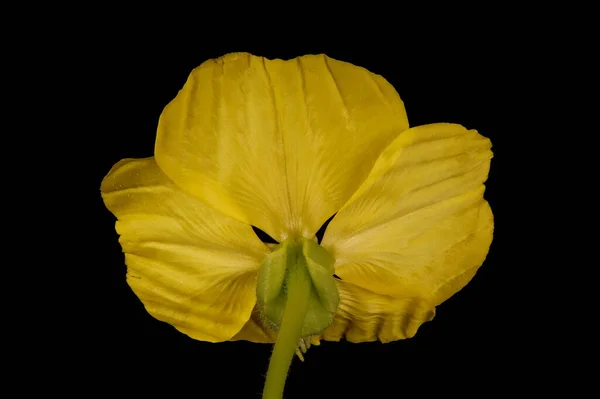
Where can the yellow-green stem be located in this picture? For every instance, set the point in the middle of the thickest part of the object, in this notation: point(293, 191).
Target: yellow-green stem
point(298, 294)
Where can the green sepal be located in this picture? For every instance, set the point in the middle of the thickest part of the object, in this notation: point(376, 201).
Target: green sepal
point(273, 275)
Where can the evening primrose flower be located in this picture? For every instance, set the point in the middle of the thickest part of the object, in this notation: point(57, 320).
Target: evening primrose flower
point(283, 146)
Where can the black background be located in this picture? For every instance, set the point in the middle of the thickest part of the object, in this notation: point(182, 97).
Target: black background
point(472, 347)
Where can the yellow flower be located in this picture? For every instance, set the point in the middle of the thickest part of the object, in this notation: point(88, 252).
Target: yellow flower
point(283, 146)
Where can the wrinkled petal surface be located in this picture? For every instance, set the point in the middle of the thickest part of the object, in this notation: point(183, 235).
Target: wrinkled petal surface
point(362, 316)
point(191, 266)
point(281, 145)
point(419, 226)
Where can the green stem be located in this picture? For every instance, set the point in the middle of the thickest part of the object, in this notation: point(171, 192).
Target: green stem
point(298, 294)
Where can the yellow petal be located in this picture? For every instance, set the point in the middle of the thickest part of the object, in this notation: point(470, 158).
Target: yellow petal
point(364, 316)
point(191, 266)
point(418, 227)
point(281, 145)
point(255, 331)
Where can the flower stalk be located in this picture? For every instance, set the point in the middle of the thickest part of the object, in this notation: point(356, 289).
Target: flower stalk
point(298, 295)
